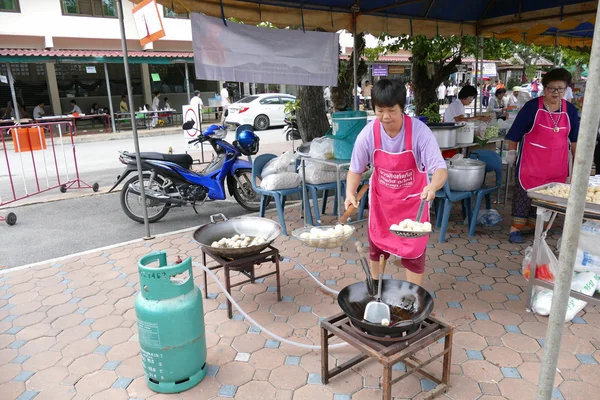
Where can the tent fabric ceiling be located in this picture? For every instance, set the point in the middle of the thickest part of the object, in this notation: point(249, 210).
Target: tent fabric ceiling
point(518, 20)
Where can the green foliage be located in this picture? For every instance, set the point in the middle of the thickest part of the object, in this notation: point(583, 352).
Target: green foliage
point(291, 107)
point(432, 112)
point(512, 82)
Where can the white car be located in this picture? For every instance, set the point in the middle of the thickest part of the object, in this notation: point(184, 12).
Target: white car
point(261, 111)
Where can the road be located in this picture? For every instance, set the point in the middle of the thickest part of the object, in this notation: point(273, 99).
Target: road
point(51, 229)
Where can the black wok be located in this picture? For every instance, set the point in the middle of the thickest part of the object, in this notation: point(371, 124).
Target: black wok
point(416, 301)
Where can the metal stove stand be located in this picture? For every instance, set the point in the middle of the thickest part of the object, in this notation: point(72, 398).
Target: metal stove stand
point(389, 351)
point(245, 266)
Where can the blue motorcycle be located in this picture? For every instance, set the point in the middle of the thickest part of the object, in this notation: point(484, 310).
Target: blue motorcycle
point(169, 182)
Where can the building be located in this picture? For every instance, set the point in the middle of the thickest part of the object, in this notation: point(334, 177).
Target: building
point(59, 50)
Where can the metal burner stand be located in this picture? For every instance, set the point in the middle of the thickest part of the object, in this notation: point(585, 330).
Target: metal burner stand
point(388, 353)
point(245, 266)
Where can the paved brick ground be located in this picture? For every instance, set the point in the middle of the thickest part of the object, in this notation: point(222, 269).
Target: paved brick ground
point(68, 330)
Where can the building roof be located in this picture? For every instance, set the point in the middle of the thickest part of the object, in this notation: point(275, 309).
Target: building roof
point(108, 56)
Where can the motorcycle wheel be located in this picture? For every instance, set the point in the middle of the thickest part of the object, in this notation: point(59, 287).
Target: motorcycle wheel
point(131, 203)
point(292, 134)
point(246, 196)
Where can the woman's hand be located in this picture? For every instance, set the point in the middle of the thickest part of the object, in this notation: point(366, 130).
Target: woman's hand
point(428, 193)
point(350, 200)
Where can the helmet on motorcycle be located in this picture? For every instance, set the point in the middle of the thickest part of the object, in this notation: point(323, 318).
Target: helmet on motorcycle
point(246, 142)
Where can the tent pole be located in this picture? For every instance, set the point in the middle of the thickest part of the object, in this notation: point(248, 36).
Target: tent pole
point(136, 142)
point(355, 62)
point(476, 70)
point(13, 94)
point(110, 105)
point(187, 83)
point(574, 215)
point(481, 69)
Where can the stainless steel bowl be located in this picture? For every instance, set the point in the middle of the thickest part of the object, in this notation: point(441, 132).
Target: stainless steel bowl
point(465, 175)
point(226, 228)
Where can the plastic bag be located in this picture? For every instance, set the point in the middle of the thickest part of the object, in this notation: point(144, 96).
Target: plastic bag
point(547, 263)
point(283, 163)
point(280, 181)
point(487, 218)
point(321, 148)
point(587, 258)
point(585, 282)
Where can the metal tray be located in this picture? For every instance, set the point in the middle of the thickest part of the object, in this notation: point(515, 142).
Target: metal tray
point(558, 201)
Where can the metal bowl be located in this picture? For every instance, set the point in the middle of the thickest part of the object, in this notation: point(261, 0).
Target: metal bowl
point(226, 228)
point(322, 243)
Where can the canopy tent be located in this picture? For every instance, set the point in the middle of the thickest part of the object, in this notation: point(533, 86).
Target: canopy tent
point(527, 20)
point(448, 17)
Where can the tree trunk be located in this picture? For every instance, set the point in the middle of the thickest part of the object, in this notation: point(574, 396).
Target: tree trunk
point(312, 117)
point(424, 89)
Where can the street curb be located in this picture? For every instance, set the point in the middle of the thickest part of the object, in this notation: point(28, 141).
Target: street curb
point(112, 246)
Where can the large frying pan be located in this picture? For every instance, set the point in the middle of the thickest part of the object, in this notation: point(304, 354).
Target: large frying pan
point(415, 300)
point(353, 300)
point(226, 228)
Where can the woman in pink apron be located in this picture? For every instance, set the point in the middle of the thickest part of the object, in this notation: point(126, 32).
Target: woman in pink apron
point(545, 130)
point(401, 150)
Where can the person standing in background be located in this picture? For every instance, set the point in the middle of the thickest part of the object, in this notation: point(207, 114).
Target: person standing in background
point(535, 87)
point(568, 94)
point(155, 104)
point(441, 92)
point(485, 94)
point(123, 107)
point(225, 101)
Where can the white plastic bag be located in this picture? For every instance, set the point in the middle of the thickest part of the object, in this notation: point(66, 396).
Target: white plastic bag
point(585, 282)
point(487, 218)
point(283, 163)
point(280, 181)
point(588, 250)
point(546, 265)
point(317, 173)
point(321, 148)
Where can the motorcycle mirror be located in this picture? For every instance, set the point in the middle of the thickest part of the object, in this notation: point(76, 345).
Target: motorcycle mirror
point(188, 125)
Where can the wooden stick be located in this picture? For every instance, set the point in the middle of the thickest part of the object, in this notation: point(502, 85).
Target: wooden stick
point(351, 208)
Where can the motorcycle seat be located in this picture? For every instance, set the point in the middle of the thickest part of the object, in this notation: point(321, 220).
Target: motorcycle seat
point(185, 160)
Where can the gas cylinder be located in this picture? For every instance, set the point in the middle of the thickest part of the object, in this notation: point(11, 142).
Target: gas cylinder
point(170, 321)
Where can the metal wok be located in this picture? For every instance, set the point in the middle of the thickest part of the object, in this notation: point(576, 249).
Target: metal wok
point(413, 299)
point(249, 226)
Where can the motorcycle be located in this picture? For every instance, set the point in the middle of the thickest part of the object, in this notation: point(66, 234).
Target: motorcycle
point(291, 131)
point(169, 182)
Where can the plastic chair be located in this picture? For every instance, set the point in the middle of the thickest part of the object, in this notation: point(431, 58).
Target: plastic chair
point(313, 189)
point(363, 201)
point(493, 163)
point(447, 197)
point(277, 195)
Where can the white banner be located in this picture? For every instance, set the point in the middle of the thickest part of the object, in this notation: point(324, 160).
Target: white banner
point(245, 53)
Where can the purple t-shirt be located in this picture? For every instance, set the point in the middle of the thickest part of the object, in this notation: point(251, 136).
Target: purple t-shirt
point(425, 147)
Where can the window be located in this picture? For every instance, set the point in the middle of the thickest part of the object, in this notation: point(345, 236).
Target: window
point(93, 8)
point(172, 14)
point(248, 99)
point(287, 100)
point(271, 101)
point(10, 5)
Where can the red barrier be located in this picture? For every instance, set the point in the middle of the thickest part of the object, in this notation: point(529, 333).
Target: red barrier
point(41, 159)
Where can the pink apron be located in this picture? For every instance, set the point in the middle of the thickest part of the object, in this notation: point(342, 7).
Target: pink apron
point(396, 187)
point(544, 154)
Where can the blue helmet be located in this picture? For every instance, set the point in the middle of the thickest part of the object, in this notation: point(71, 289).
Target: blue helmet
point(246, 140)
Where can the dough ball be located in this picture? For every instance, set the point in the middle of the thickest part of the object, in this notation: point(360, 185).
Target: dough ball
point(347, 229)
point(305, 235)
point(242, 236)
point(215, 244)
point(427, 227)
point(385, 322)
point(395, 227)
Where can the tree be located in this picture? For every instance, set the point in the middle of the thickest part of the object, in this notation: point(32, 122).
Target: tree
point(311, 115)
point(530, 54)
point(575, 59)
point(434, 60)
point(342, 95)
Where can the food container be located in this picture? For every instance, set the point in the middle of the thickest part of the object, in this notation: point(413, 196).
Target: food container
point(466, 133)
point(323, 243)
point(445, 134)
point(465, 175)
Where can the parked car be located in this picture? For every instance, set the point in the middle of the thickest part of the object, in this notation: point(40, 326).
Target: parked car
point(261, 111)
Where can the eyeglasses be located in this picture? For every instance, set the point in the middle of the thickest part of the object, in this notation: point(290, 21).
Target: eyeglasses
point(556, 89)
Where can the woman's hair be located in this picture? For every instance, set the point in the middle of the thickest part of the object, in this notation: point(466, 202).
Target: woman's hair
point(388, 93)
point(557, 74)
point(501, 91)
point(467, 91)
point(166, 98)
point(157, 93)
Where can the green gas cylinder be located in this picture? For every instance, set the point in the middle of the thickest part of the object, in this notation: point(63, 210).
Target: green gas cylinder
point(170, 324)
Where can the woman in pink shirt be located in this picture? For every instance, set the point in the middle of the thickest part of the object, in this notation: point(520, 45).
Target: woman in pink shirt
point(402, 151)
